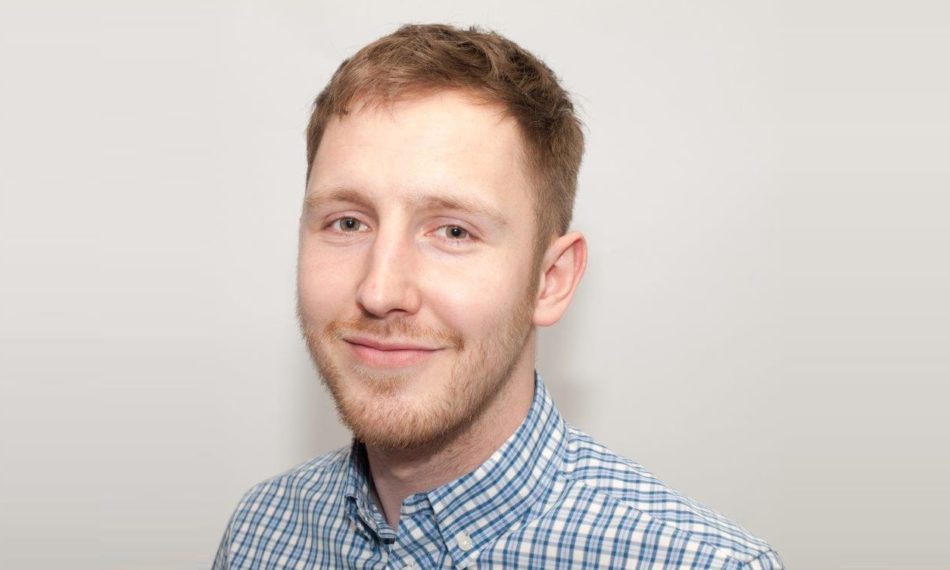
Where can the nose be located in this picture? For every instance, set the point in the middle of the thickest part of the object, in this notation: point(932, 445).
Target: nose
point(388, 284)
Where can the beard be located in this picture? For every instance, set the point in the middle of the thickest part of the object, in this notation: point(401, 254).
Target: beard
point(397, 410)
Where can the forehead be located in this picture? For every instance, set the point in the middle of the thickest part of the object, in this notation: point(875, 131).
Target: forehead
point(445, 143)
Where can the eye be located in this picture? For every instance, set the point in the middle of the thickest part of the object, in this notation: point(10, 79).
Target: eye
point(454, 233)
point(348, 224)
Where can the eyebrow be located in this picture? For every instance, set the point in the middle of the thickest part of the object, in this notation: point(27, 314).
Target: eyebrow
point(416, 200)
point(315, 198)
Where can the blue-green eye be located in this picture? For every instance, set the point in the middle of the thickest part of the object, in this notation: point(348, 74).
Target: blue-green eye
point(348, 224)
point(455, 232)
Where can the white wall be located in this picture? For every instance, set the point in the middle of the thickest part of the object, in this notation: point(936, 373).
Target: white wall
point(765, 321)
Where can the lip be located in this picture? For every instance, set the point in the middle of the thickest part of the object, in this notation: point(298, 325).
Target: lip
point(381, 354)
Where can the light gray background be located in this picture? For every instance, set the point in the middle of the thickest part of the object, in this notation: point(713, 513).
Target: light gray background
point(764, 323)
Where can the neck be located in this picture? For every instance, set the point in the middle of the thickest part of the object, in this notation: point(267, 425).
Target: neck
point(399, 473)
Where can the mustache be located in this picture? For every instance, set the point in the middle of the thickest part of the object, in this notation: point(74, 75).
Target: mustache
point(399, 328)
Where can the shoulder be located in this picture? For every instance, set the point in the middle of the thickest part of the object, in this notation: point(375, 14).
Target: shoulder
point(271, 519)
point(310, 486)
point(317, 476)
point(635, 497)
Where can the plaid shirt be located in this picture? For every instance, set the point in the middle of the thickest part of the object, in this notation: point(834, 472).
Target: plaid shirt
point(550, 497)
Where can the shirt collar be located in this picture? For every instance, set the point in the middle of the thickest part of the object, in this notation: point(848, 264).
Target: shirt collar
point(488, 501)
point(359, 502)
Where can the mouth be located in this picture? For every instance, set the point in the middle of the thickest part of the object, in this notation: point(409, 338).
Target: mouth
point(380, 354)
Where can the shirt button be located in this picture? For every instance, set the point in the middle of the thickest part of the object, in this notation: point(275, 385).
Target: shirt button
point(463, 540)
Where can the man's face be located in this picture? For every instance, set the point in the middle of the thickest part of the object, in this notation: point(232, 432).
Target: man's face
point(415, 265)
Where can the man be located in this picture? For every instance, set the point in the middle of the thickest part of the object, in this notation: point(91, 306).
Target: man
point(442, 167)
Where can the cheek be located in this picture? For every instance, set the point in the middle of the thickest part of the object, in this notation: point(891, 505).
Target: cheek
point(324, 286)
point(478, 300)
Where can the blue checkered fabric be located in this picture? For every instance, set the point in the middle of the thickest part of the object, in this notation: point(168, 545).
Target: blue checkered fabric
point(550, 497)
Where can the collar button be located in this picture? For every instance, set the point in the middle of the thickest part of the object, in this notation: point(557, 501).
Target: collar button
point(464, 541)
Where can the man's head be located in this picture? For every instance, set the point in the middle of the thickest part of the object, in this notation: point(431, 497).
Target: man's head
point(442, 170)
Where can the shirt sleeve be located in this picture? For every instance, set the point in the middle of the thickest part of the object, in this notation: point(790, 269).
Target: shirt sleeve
point(224, 548)
point(768, 560)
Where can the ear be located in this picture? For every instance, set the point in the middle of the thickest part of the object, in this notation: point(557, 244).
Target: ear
point(561, 270)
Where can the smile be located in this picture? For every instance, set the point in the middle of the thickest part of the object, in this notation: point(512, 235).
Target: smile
point(381, 355)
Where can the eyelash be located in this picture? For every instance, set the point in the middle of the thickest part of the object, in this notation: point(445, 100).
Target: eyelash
point(467, 237)
point(335, 222)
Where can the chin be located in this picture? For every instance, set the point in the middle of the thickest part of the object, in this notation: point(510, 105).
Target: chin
point(400, 409)
point(382, 416)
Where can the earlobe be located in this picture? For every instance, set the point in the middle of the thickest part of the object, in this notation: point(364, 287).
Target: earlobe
point(562, 268)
